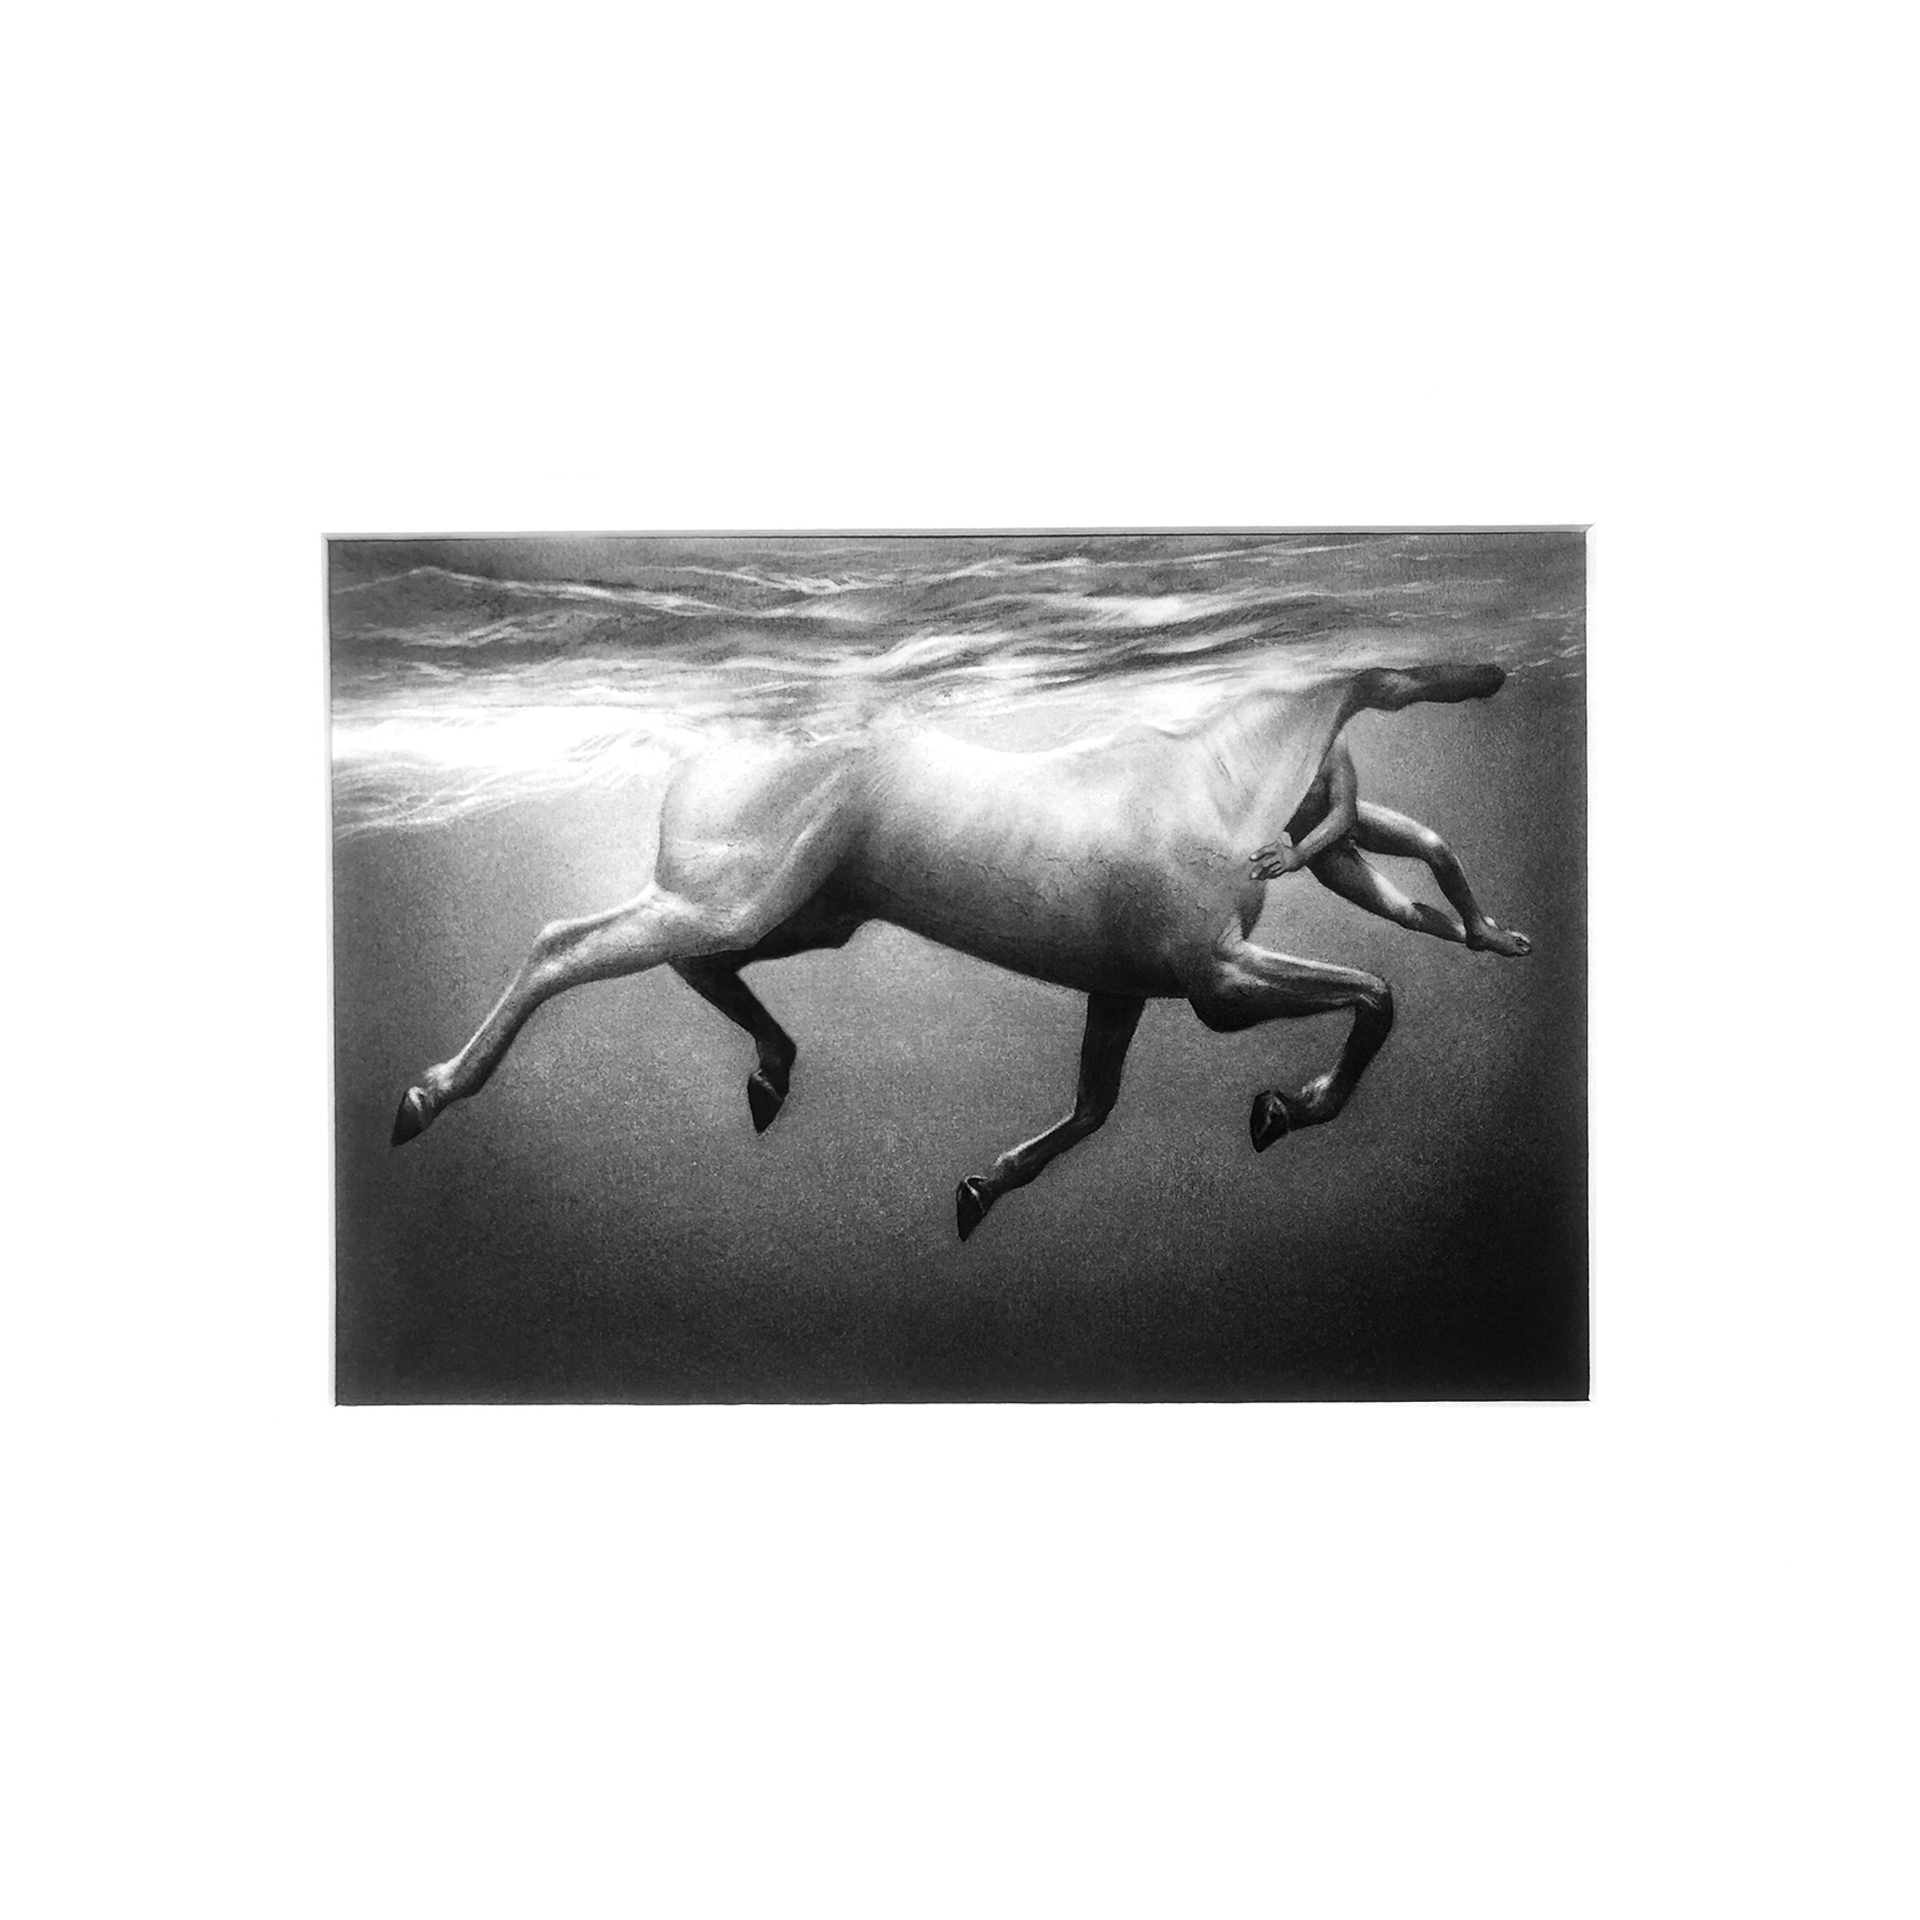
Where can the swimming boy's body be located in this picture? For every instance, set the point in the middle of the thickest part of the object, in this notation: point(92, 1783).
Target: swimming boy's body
point(1332, 830)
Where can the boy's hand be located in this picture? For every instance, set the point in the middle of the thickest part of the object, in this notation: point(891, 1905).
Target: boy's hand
point(1269, 863)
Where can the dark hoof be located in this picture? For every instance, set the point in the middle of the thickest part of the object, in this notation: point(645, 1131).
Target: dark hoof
point(411, 1121)
point(970, 1203)
point(1271, 1118)
point(765, 1100)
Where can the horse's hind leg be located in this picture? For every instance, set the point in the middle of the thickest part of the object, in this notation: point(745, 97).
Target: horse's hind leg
point(1242, 986)
point(652, 927)
point(746, 840)
point(715, 977)
point(1111, 1019)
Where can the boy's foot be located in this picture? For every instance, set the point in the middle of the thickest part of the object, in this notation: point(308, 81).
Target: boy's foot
point(1488, 938)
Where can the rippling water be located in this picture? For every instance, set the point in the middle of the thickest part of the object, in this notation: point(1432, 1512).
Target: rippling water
point(468, 675)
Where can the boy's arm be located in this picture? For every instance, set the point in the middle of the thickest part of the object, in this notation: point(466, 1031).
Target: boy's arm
point(1343, 814)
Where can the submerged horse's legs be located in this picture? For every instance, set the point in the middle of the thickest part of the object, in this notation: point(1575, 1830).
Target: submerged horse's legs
point(1111, 1019)
point(652, 927)
point(715, 977)
point(657, 925)
point(1381, 830)
point(1243, 986)
point(746, 841)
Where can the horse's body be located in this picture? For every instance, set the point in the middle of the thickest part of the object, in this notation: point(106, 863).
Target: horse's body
point(1119, 869)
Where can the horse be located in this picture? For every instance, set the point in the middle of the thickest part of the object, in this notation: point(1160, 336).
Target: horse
point(1116, 867)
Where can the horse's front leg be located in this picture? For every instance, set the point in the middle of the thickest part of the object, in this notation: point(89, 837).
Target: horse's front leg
point(1111, 1020)
point(1242, 985)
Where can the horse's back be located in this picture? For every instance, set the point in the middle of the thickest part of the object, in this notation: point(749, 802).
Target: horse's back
point(755, 803)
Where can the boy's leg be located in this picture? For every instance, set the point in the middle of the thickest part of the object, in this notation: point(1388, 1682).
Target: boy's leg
point(1381, 830)
point(1341, 870)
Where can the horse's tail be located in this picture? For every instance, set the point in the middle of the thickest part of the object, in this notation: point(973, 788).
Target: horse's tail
point(1390, 688)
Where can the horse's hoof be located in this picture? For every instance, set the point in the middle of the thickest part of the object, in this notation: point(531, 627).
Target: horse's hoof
point(1270, 1119)
point(411, 1121)
point(970, 1203)
point(765, 1100)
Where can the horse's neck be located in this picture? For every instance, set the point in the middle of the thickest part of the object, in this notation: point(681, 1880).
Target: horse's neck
point(1262, 753)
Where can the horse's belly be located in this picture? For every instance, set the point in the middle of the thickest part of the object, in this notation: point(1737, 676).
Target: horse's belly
point(1072, 949)
point(1083, 870)
point(1049, 883)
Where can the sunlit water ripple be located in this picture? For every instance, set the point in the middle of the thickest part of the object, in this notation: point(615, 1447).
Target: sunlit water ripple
point(461, 684)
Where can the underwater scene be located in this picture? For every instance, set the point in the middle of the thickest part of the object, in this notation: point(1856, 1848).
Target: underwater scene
point(604, 1222)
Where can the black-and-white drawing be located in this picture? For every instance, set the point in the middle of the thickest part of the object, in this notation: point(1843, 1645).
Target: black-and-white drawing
point(1109, 767)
